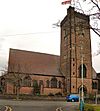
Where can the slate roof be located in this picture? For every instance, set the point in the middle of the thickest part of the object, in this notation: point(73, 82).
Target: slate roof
point(33, 62)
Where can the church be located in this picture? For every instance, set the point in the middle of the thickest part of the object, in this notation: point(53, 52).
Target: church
point(44, 74)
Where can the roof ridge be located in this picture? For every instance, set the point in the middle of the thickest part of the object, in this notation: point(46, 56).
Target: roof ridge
point(33, 52)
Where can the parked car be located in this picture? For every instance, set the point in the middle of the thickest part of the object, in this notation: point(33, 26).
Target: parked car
point(72, 98)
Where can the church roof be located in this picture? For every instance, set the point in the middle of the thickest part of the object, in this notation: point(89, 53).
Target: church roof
point(33, 63)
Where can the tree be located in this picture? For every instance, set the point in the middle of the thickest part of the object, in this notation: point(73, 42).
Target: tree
point(92, 9)
point(94, 14)
point(3, 80)
point(36, 88)
point(15, 77)
point(4, 70)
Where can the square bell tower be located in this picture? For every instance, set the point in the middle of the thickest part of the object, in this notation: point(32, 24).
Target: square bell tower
point(75, 51)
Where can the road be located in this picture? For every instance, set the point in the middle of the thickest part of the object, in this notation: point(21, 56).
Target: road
point(13, 105)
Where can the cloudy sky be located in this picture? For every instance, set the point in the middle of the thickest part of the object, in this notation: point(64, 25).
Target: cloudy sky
point(27, 25)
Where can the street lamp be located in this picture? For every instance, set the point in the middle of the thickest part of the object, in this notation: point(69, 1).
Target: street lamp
point(82, 91)
point(82, 73)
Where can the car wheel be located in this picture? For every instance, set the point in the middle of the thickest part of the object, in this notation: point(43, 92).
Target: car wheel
point(72, 100)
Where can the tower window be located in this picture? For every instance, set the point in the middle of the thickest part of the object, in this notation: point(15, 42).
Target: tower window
point(65, 38)
point(65, 32)
point(94, 85)
point(84, 71)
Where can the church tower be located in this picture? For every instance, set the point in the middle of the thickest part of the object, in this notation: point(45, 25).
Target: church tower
point(75, 54)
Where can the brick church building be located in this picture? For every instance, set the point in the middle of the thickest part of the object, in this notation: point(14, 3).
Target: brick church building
point(40, 73)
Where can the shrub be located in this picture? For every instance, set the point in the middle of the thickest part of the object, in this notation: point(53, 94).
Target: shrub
point(91, 96)
point(37, 94)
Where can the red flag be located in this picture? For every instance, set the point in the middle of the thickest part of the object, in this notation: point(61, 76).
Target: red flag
point(66, 2)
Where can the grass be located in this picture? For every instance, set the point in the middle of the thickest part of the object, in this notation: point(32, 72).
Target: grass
point(88, 107)
point(97, 108)
point(92, 107)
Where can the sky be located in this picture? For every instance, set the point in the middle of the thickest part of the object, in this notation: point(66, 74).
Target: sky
point(27, 25)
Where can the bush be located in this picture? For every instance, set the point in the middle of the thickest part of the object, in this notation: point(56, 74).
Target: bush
point(37, 94)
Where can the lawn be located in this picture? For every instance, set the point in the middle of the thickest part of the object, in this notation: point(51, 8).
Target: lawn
point(97, 108)
point(92, 107)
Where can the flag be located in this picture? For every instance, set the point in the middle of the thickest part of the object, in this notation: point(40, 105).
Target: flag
point(66, 2)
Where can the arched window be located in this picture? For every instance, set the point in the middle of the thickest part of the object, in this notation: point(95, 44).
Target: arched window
point(53, 82)
point(84, 71)
point(47, 83)
point(27, 81)
point(2, 81)
point(35, 83)
point(2, 85)
point(59, 84)
point(40, 83)
point(19, 82)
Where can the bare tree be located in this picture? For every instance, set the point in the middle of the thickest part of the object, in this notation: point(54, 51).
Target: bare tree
point(4, 70)
point(95, 16)
point(15, 72)
point(92, 10)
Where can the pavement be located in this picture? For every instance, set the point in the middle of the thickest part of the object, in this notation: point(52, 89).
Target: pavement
point(69, 107)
